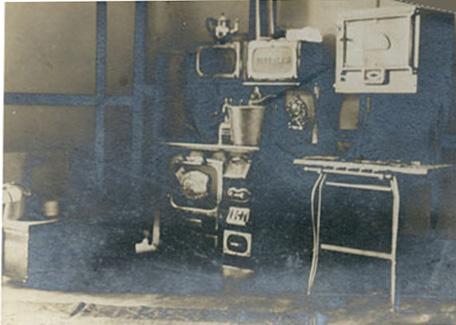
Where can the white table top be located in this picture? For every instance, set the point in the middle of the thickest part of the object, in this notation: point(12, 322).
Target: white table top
point(335, 163)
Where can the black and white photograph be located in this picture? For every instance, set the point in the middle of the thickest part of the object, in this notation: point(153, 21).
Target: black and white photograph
point(229, 162)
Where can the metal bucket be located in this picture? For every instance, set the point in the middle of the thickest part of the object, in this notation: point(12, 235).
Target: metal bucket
point(245, 124)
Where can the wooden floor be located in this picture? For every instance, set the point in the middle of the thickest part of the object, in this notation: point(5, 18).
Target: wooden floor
point(31, 306)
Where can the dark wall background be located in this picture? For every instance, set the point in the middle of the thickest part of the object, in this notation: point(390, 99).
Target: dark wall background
point(41, 58)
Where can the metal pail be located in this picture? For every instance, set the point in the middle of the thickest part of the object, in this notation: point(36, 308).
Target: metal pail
point(246, 122)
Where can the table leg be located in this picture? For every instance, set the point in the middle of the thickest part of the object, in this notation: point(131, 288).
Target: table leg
point(316, 214)
point(395, 226)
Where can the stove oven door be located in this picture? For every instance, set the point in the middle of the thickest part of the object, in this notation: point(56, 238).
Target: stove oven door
point(197, 185)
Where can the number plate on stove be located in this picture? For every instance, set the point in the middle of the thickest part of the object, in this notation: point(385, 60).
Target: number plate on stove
point(238, 216)
point(272, 60)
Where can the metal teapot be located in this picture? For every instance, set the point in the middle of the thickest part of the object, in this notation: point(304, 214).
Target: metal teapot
point(221, 27)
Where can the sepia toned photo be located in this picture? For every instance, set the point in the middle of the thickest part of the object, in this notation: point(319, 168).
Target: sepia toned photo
point(229, 162)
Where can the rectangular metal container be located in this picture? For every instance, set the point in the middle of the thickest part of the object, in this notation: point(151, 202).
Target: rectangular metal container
point(377, 51)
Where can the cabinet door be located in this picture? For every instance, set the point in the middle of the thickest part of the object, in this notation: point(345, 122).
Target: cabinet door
point(377, 51)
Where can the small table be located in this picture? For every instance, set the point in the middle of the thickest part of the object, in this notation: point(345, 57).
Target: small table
point(22, 240)
point(378, 170)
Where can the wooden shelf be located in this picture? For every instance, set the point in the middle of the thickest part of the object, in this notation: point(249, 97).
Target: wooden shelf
point(212, 147)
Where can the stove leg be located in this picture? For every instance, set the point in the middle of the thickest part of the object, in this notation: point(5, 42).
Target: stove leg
point(318, 187)
point(149, 244)
point(156, 229)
